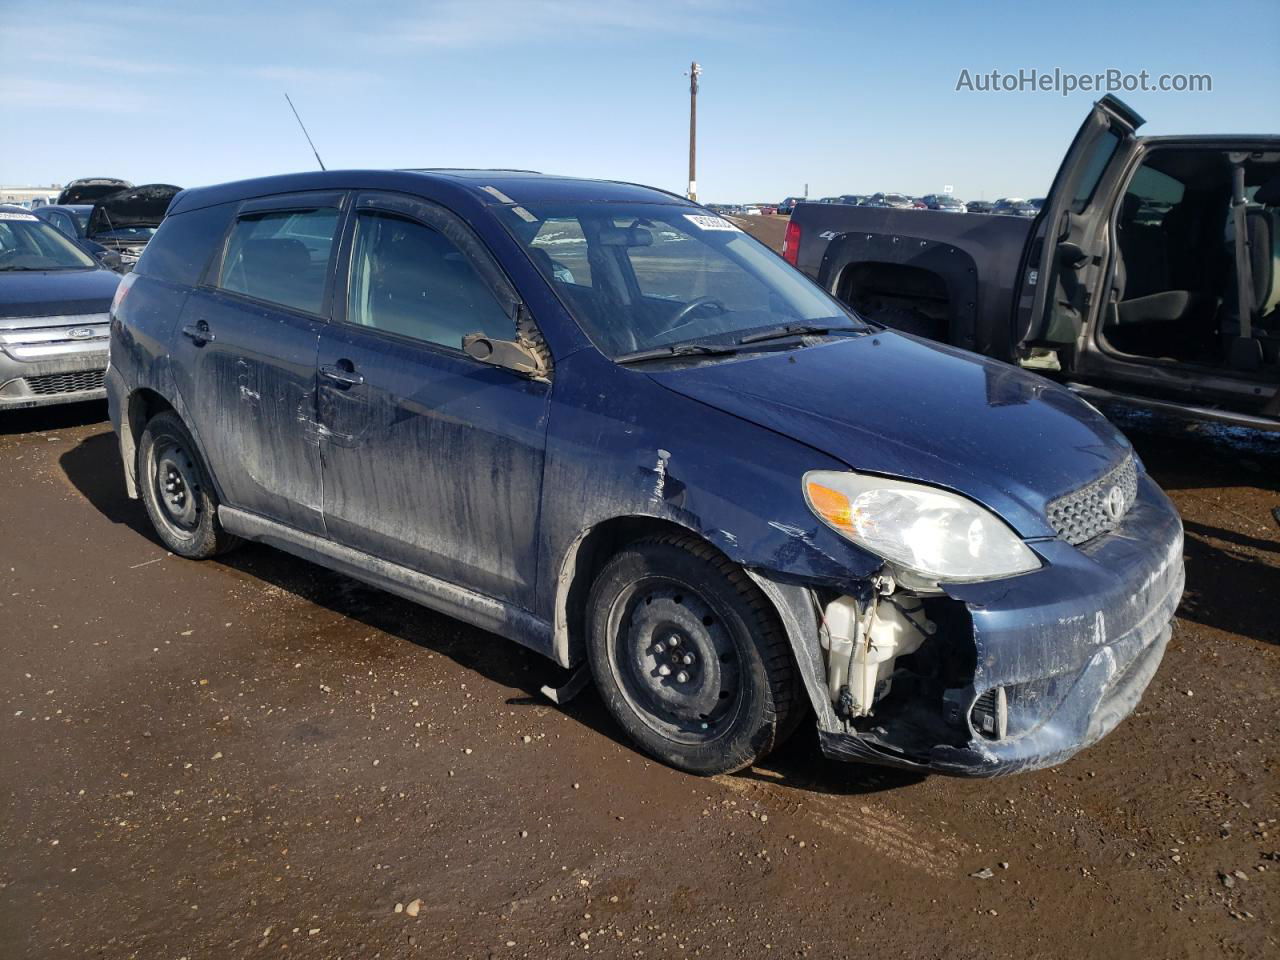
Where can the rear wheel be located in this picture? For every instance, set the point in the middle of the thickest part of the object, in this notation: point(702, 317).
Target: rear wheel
point(176, 491)
point(689, 657)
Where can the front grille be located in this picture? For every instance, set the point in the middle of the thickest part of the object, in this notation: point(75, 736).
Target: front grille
point(1096, 508)
point(54, 383)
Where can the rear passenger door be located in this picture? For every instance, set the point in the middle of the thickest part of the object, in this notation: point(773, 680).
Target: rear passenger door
point(247, 348)
point(432, 460)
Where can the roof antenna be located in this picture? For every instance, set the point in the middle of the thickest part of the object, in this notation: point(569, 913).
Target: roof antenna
point(304, 132)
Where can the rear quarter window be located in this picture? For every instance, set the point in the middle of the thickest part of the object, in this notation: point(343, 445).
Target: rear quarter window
point(185, 243)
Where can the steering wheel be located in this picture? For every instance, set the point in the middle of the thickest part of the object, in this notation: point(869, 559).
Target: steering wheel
point(682, 315)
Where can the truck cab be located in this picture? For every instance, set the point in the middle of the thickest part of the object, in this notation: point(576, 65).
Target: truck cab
point(1150, 275)
point(1151, 272)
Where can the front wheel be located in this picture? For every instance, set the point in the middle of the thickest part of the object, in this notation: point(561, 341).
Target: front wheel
point(176, 491)
point(689, 657)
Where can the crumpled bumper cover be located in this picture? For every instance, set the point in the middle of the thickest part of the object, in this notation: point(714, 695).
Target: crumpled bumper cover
point(1073, 644)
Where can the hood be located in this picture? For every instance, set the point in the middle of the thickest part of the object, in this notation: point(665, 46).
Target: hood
point(54, 293)
point(91, 189)
point(143, 206)
point(894, 405)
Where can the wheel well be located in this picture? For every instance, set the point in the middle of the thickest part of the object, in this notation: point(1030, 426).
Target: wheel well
point(904, 297)
point(143, 405)
point(586, 557)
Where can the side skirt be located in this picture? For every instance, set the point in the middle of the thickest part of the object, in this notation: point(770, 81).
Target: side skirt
point(506, 620)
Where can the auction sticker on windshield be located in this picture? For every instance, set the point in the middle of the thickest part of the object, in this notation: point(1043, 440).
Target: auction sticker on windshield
point(6, 215)
point(703, 222)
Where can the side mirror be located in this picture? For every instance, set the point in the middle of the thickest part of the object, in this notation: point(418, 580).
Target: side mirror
point(508, 354)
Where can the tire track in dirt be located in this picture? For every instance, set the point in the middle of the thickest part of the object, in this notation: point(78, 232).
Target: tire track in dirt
point(888, 833)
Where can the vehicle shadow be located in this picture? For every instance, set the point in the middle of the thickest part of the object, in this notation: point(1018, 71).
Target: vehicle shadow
point(1182, 456)
point(56, 417)
point(1227, 590)
point(93, 467)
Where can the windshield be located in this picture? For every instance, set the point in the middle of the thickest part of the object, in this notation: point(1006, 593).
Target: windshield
point(643, 276)
point(28, 243)
point(126, 233)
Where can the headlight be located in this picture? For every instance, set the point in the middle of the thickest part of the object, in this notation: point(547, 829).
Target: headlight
point(922, 530)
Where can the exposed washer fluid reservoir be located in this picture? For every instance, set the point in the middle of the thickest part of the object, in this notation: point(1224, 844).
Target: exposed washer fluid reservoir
point(862, 646)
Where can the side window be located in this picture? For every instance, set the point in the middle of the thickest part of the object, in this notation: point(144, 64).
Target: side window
point(281, 256)
point(409, 279)
point(1095, 166)
point(1151, 194)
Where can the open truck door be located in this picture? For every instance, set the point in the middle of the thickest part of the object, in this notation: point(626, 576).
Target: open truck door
point(1067, 249)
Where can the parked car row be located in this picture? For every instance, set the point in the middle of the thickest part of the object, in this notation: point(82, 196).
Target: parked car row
point(60, 266)
point(744, 209)
point(946, 203)
point(934, 201)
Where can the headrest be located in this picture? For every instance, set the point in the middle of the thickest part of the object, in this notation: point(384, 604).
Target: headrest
point(1269, 193)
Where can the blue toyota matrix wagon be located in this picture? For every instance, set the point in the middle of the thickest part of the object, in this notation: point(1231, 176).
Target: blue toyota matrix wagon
point(605, 423)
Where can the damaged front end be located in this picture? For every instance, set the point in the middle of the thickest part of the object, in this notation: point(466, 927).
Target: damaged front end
point(993, 677)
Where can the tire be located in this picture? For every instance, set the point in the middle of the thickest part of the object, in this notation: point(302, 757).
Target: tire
point(175, 489)
point(730, 692)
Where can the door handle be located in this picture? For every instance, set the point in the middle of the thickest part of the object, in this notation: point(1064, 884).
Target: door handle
point(198, 332)
point(342, 373)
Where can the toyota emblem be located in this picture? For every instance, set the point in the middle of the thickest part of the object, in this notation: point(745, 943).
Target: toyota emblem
point(1113, 503)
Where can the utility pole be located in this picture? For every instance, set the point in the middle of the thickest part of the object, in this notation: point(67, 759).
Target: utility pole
point(694, 72)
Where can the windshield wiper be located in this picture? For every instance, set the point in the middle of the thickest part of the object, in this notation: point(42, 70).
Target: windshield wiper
point(794, 330)
point(676, 350)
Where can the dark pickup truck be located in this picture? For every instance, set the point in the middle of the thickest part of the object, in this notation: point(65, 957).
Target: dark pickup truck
point(1151, 275)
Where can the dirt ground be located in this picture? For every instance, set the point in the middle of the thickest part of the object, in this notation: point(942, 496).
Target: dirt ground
point(255, 757)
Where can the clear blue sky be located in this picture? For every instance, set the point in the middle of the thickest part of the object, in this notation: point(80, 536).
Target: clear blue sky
point(846, 96)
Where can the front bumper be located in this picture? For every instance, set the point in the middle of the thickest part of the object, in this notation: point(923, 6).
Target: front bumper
point(49, 360)
point(1072, 645)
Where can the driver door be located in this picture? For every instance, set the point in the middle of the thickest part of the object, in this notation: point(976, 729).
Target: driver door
point(1066, 255)
point(431, 460)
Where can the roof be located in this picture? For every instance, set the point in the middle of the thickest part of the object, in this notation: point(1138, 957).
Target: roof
point(486, 186)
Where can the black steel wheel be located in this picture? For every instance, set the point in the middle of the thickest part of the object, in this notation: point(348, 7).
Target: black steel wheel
point(175, 490)
point(689, 657)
